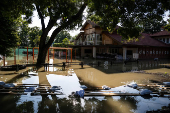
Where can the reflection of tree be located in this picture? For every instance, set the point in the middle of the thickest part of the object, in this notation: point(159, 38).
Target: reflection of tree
point(25, 107)
point(165, 109)
point(132, 102)
point(8, 104)
point(73, 105)
point(64, 105)
point(95, 105)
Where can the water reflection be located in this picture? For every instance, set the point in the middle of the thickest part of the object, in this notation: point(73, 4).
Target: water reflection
point(67, 103)
point(118, 67)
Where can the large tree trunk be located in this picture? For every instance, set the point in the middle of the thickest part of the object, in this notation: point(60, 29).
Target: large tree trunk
point(42, 52)
point(41, 56)
point(43, 47)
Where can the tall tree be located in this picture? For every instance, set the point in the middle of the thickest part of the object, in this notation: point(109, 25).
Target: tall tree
point(62, 35)
point(68, 14)
point(167, 27)
point(64, 14)
point(8, 29)
point(34, 36)
point(133, 15)
point(10, 11)
point(23, 33)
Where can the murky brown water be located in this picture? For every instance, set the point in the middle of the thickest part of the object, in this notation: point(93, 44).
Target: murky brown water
point(114, 75)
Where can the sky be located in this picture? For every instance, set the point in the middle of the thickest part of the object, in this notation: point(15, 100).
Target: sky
point(36, 22)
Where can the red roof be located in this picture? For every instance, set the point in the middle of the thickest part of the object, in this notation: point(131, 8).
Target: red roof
point(161, 33)
point(144, 40)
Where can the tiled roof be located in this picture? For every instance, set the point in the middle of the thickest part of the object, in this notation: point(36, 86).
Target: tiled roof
point(161, 33)
point(144, 40)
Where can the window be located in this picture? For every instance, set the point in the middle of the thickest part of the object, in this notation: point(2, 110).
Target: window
point(129, 52)
point(116, 50)
point(143, 52)
point(150, 52)
point(147, 52)
point(156, 52)
point(88, 51)
point(168, 40)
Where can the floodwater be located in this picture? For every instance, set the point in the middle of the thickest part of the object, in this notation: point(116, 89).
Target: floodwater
point(116, 76)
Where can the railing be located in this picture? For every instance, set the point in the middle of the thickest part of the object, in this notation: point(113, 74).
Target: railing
point(89, 43)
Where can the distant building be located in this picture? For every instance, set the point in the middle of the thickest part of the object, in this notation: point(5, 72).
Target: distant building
point(94, 42)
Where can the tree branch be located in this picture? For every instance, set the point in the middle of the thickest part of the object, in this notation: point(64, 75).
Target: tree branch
point(70, 21)
point(41, 17)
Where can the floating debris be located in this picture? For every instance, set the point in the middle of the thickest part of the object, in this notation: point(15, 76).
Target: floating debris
point(133, 85)
point(145, 92)
point(83, 87)
point(2, 83)
point(30, 89)
point(9, 85)
point(106, 87)
point(166, 83)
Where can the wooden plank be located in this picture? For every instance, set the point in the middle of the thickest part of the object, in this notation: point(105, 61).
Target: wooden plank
point(111, 94)
point(13, 90)
point(13, 93)
point(33, 84)
point(34, 94)
point(150, 85)
point(100, 91)
point(26, 86)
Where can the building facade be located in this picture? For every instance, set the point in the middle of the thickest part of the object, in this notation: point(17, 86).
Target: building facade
point(92, 41)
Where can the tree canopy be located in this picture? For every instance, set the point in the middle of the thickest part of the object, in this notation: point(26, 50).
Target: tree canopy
point(134, 16)
point(68, 14)
point(8, 28)
point(62, 35)
point(167, 27)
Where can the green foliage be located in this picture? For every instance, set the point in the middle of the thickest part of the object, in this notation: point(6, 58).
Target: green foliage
point(133, 15)
point(167, 27)
point(65, 43)
point(8, 32)
point(68, 15)
point(23, 33)
point(62, 35)
point(34, 36)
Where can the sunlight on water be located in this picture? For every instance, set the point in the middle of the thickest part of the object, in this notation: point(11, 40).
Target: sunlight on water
point(91, 75)
point(69, 84)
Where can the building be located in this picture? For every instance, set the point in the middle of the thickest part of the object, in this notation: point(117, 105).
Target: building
point(93, 42)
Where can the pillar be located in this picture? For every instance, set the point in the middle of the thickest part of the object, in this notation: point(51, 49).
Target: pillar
point(33, 53)
point(71, 55)
point(14, 57)
point(4, 60)
point(69, 52)
point(124, 53)
point(27, 54)
point(94, 52)
point(48, 55)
